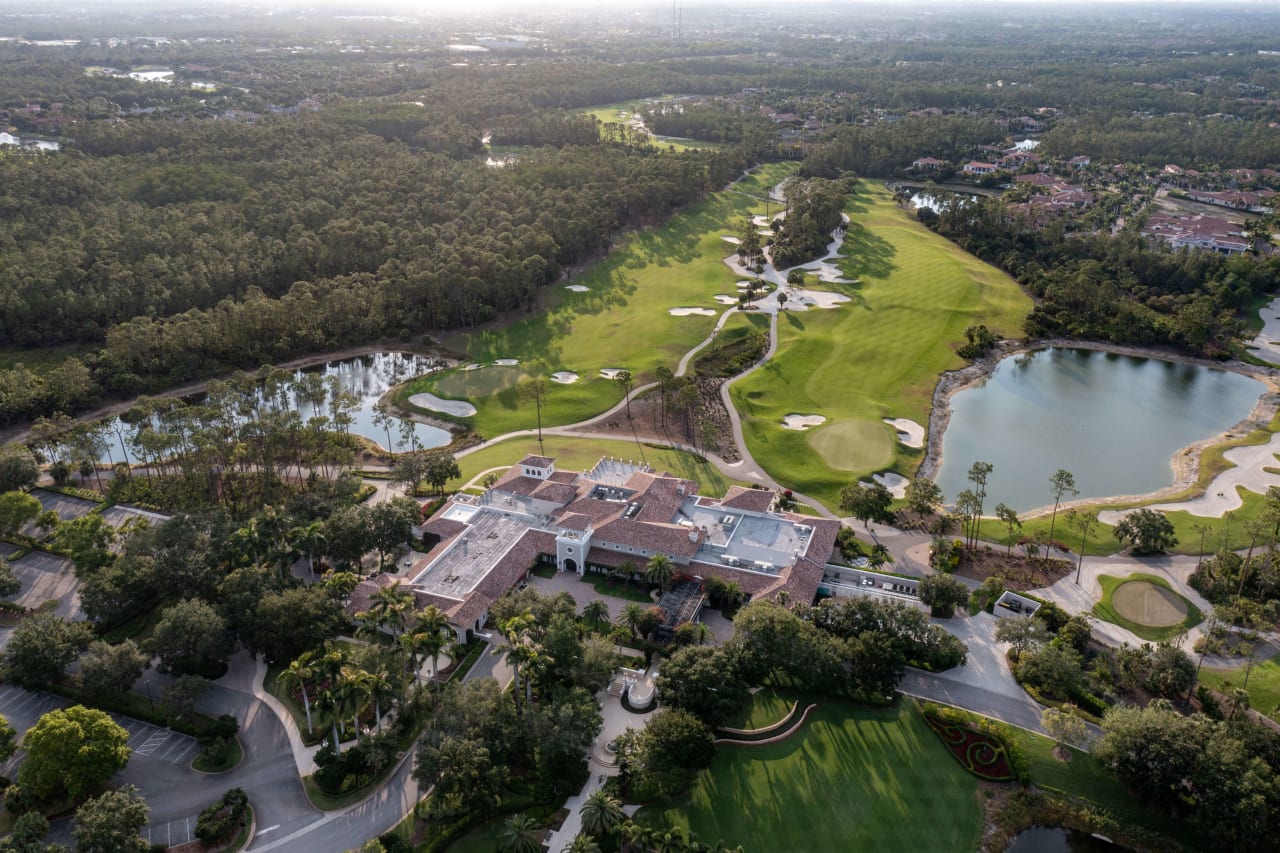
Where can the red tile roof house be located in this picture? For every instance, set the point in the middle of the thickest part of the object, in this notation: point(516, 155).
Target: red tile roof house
point(973, 167)
point(928, 163)
point(617, 512)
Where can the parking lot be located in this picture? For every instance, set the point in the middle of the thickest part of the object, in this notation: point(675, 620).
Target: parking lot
point(45, 577)
point(149, 743)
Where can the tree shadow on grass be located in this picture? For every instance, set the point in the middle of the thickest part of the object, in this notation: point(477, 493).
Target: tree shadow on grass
point(868, 254)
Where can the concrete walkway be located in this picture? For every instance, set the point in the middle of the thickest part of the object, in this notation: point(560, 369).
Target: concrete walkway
point(303, 755)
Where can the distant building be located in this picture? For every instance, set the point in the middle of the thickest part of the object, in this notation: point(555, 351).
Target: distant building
point(617, 513)
point(928, 163)
point(1197, 232)
point(973, 167)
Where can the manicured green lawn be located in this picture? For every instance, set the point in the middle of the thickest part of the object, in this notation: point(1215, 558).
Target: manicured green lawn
point(581, 454)
point(622, 321)
point(876, 357)
point(853, 778)
point(1084, 777)
point(1105, 610)
point(767, 707)
point(613, 114)
point(1264, 685)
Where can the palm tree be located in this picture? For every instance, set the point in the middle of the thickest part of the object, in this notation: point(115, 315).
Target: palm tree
point(296, 676)
point(602, 815)
point(390, 607)
point(596, 613)
point(383, 689)
point(340, 584)
point(520, 834)
point(310, 540)
point(660, 570)
point(581, 843)
point(632, 616)
point(357, 686)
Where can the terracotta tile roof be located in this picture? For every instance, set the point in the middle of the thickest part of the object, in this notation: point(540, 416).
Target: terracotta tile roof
point(518, 484)
point(513, 566)
point(750, 582)
point(752, 500)
point(538, 461)
point(358, 601)
point(563, 477)
point(670, 539)
point(597, 511)
point(443, 527)
point(574, 521)
point(561, 493)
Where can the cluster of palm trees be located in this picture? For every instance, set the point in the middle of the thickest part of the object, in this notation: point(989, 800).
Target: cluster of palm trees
point(603, 817)
point(345, 689)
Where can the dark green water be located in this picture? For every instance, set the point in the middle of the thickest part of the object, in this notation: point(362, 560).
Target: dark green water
point(1113, 421)
point(1055, 839)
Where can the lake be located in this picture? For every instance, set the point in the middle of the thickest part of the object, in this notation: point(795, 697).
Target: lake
point(924, 199)
point(1113, 421)
point(29, 142)
point(367, 377)
point(1055, 839)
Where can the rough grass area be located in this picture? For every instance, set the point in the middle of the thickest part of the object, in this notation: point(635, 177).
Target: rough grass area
point(1264, 685)
point(621, 320)
point(580, 454)
point(852, 778)
point(1152, 594)
point(878, 356)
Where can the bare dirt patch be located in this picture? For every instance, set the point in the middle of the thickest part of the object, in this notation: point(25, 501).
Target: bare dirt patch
point(1018, 571)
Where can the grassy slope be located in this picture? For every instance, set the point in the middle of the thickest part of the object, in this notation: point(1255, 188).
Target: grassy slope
point(1264, 685)
point(853, 779)
point(877, 357)
point(608, 114)
point(580, 454)
point(622, 321)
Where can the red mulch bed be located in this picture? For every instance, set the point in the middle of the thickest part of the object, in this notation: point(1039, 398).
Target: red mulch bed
point(981, 754)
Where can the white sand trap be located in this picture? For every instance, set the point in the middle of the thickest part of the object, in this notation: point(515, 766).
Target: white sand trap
point(564, 377)
point(1267, 344)
point(761, 221)
point(577, 288)
point(457, 408)
point(734, 240)
point(473, 366)
point(910, 433)
point(685, 312)
point(803, 300)
point(802, 421)
point(1222, 495)
point(895, 483)
point(507, 362)
point(611, 372)
point(726, 300)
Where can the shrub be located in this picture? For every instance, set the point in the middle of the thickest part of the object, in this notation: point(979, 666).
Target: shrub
point(222, 820)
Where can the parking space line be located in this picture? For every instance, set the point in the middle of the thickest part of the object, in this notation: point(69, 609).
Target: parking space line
point(185, 750)
point(172, 746)
point(153, 743)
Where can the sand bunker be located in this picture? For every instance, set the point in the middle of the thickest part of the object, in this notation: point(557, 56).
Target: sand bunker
point(507, 362)
point(802, 421)
point(760, 221)
point(734, 240)
point(895, 483)
point(1148, 604)
point(473, 366)
point(457, 408)
point(564, 377)
point(611, 372)
point(685, 312)
point(726, 300)
point(803, 300)
point(577, 288)
point(910, 433)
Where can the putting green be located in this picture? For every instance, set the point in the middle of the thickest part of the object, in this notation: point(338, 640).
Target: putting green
point(878, 356)
point(1147, 604)
point(853, 445)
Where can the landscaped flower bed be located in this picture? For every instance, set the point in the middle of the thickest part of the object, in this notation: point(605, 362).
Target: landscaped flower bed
point(982, 754)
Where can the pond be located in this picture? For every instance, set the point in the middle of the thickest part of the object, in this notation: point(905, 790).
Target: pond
point(1113, 421)
point(29, 142)
point(1055, 839)
point(367, 377)
point(924, 199)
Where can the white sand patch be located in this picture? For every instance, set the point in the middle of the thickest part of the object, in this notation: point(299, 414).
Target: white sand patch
point(734, 240)
point(726, 300)
point(766, 232)
point(910, 433)
point(564, 377)
point(799, 299)
point(802, 421)
point(761, 221)
point(473, 366)
point(507, 362)
point(1222, 495)
point(457, 408)
point(611, 372)
point(577, 288)
point(895, 483)
point(685, 312)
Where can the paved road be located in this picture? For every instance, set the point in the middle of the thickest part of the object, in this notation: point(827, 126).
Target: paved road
point(1023, 712)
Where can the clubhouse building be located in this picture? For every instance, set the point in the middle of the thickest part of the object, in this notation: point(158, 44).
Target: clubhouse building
point(617, 514)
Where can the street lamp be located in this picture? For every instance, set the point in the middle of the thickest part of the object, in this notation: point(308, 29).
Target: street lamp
point(146, 682)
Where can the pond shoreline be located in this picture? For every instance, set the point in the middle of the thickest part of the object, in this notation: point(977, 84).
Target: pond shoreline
point(1186, 461)
point(20, 432)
